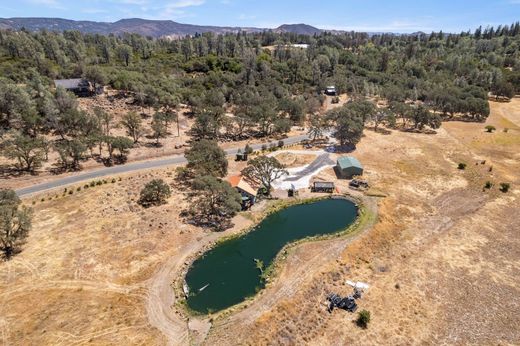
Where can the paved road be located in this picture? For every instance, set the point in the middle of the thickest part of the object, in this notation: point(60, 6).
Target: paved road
point(131, 167)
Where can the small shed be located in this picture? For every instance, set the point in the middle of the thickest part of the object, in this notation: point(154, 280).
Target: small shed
point(323, 186)
point(348, 167)
point(241, 157)
point(79, 86)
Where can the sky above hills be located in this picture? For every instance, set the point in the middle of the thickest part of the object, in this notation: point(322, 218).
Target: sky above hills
point(361, 15)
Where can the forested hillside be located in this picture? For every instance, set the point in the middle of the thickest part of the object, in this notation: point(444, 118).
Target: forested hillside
point(266, 85)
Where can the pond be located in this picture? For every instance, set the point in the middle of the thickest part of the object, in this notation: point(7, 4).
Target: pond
point(232, 270)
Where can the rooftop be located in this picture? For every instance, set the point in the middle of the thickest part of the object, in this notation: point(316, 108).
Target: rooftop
point(238, 182)
point(70, 83)
point(349, 161)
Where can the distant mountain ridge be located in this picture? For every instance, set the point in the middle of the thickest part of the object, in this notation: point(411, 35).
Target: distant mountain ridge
point(146, 27)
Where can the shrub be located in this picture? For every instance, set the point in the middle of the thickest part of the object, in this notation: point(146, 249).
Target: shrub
point(264, 147)
point(461, 166)
point(92, 183)
point(86, 186)
point(71, 192)
point(504, 187)
point(280, 144)
point(363, 319)
point(99, 182)
point(506, 129)
point(154, 193)
point(78, 189)
point(113, 180)
point(490, 128)
point(488, 185)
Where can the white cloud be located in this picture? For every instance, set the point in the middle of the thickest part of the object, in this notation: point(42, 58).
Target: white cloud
point(133, 2)
point(48, 3)
point(396, 26)
point(243, 16)
point(93, 10)
point(184, 3)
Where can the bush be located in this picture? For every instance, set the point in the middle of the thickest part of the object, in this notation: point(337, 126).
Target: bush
point(504, 187)
point(462, 166)
point(488, 185)
point(78, 189)
point(154, 193)
point(280, 144)
point(71, 192)
point(113, 180)
point(363, 319)
point(85, 186)
point(264, 147)
point(92, 183)
point(490, 128)
point(99, 182)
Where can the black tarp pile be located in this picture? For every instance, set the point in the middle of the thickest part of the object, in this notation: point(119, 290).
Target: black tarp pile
point(348, 303)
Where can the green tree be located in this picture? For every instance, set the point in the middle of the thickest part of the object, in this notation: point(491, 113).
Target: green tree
point(207, 158)
point(264, 170)
point(215, 203)
point(348, 125)
point(15, 222)
point(124, 53)
point(96, 76)
point(154, 192)
point(133, 124)
point(159, 131)
point(363, 319)
point(15, 103)
point(30, 152)
point(71, 152)
point(317, 127)
point(120, 143)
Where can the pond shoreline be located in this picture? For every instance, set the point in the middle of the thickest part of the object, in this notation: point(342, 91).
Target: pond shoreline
point(271, 271)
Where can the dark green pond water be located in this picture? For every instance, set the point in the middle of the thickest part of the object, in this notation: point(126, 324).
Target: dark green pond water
point(228, 273)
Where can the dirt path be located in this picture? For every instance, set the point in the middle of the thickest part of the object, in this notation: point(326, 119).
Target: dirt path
point(161, 300)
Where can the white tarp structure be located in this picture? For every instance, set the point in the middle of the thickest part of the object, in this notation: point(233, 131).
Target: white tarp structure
point(360, 286)
point(300, 177)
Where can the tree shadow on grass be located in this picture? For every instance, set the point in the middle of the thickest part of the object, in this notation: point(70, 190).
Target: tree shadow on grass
point(9, 172)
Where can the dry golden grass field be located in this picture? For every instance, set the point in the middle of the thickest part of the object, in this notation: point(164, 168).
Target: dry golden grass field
point(443, 259)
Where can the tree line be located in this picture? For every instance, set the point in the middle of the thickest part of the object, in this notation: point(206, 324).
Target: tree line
point(424, 78)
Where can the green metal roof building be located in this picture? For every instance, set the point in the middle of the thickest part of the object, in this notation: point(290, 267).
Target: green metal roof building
point(348, 167)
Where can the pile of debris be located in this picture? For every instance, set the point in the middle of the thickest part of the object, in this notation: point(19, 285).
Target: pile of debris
point(349, 302)
point(358, 184)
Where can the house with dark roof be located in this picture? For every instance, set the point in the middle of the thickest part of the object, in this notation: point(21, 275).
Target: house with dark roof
point(79, 86)
point(347, 167)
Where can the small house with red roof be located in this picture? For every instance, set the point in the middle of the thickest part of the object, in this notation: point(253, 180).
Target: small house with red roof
point(245, 189)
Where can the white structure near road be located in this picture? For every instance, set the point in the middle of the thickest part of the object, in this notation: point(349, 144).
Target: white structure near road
point(300, 177)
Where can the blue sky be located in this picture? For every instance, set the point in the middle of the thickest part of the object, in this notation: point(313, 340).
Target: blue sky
point(361, 15)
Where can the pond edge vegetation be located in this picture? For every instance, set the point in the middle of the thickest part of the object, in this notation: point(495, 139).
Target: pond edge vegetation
point(364, 217)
